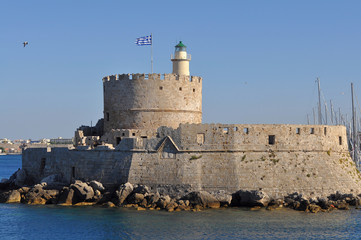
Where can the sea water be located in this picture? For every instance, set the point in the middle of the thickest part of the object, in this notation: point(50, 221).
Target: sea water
point(18, 221)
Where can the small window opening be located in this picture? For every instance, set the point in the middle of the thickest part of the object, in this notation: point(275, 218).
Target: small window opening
point(160, 88)
point(133, 134)
point(73, 172)
point(194, 90)
point(225, 130)
point(245, 130)
point(298, 130)
point(118, 139)
point(235, 129)
point(123, 134)
point(144, 137)
point(180, 89)
point(325, 131)
point(340, 140)
point(312, 131)
point(271, 139)
point(107, 116)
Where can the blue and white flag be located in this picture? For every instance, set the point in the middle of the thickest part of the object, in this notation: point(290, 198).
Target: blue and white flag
point(147, 40)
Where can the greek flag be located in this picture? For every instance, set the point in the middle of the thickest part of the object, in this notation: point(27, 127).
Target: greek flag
point(147, 40)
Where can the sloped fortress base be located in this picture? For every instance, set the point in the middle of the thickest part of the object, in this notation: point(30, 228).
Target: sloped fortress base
point(279, 159)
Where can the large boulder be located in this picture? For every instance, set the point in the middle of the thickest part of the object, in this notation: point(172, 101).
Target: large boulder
point(153, 198)
point(20, 178)
point(12, 196)
point(135, 198)
point(35, 196)
point(53, 180)
point(202, 198)
point(97, 186)
point(250, 198)
point(224, 198)
point(82, 191)
point(123, 192)
point(66, 197)
point(163, 201)
point(142, 189)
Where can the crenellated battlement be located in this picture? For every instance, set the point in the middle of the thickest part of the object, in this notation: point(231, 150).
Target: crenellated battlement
point(148, 101)
point(152, 76)
point(258, 137)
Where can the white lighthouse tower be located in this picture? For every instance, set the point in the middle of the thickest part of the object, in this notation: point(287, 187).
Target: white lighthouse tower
point(181, 60)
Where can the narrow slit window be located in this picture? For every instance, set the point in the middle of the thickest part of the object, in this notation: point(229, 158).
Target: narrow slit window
point(118, 139)
point(271, 139)
point(194, 90)
point(312, 131)
point(325, 131)
point(73, 172)
point(107, 116)
point(340, 140)
point(298, 130)
point(246, 130)
point(180, 89)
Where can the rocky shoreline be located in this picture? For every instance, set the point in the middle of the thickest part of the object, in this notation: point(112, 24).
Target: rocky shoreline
point(141, 197)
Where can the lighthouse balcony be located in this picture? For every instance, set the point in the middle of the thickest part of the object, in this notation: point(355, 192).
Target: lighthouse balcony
point(180, 57)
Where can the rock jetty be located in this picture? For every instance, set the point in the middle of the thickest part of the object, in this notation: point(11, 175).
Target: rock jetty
point(141, 197)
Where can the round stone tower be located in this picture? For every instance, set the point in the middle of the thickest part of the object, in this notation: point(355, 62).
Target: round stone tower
point(148, 101)
point(181, 60)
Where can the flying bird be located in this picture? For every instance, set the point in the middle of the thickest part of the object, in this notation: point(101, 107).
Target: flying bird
point(25, 43)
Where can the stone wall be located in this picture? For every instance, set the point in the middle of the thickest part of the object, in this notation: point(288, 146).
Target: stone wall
point(148, 101)
point(312, 160)
point(108, 167)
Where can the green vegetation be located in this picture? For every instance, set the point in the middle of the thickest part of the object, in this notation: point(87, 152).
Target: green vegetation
point(274, 160)
point(329, 152)
point(194, 157)
point(2, 149)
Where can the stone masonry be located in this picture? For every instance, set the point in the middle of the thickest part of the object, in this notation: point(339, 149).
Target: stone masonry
point(279, 159)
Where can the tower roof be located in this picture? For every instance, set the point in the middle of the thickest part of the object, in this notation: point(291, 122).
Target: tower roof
point(180, 44)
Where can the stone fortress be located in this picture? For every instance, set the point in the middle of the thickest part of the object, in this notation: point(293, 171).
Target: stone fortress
point(152, 134)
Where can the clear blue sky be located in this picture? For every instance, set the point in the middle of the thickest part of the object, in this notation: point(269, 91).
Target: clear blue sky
point(259, 59)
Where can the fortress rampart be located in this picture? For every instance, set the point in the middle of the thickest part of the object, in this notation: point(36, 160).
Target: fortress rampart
point(302, 158)
point(259, 137)
point(136, 101)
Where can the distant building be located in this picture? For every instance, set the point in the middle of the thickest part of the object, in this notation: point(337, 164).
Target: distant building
point(61, 141)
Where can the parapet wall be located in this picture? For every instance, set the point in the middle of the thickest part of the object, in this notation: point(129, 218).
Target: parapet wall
point(258, 137)
point(148, 101)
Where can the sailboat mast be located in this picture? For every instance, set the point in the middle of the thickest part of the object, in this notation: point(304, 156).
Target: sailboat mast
point(332, 113)
point(354, 129)
point(319, 103)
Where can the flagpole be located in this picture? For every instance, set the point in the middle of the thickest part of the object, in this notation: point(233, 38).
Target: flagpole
point(151, 53)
